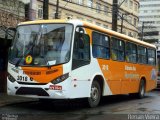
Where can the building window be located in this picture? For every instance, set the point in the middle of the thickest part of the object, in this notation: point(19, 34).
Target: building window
point(134, 35)
point(146, 11)
point(131, 4)
point(135, 21)
point(97, 23)
point(40, 12)
point(89, 20)
point(98, 7)
point(130, 34)
point(90, 3)
point(105, 26)
point(106, 8)
point(118, 30)
point(69, 15)
point(124, 32)
point(126, 3)
point(80, 18)
point(129, 18)
point(80, 2)
point(135, 7)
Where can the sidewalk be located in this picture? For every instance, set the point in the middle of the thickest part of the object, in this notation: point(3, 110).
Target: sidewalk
point(7, 99)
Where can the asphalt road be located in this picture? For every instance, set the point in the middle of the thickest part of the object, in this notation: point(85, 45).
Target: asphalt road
point(120, 107)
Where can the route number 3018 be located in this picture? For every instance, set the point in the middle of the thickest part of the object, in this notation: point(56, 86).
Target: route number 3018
point(22, 78)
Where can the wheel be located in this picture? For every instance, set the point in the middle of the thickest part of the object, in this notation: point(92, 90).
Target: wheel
point(141, 92)
point(95, 94)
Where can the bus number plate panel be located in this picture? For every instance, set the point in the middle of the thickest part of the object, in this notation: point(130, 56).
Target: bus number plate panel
point(23, 78)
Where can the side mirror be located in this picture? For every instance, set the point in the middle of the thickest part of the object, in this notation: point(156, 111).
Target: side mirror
point(81, 31)
point(9, 34)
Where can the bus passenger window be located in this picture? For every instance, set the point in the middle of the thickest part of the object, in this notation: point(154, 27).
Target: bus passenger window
point(117, 49)
point(131, 52)
point(127, 57)
point(100, 45)
point(114, 56)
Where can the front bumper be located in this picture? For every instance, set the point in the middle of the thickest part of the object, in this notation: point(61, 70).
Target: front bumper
point(37, 91)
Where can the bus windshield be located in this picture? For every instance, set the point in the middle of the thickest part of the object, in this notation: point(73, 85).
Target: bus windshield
point(41, 45)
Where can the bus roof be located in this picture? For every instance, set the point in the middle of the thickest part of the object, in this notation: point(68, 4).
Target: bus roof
point(90, 25)
point(44, 21)
point(116, 34)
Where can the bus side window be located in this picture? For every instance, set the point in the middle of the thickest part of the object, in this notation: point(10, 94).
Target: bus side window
point(100, 45)
point(117, 49)
point(114, 56)
point(131, 52)
point(127, 57)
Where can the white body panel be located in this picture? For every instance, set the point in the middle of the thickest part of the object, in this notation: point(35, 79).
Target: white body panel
point(77, 85)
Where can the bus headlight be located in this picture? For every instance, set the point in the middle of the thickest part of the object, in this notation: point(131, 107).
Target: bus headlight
point(11, 78)
point(60, 78)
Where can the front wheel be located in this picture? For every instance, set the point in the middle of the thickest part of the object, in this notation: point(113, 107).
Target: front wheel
point(95, 94)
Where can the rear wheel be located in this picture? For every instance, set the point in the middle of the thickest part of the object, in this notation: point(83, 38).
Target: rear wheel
point(95, 94)
point(141, 92)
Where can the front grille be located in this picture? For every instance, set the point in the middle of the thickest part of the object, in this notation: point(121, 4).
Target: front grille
point(26, 83)
point(31, 91)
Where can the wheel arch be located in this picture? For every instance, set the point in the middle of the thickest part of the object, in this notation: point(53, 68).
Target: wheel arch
point(100, 80)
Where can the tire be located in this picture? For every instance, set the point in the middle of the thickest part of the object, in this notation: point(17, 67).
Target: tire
point(141, 92)
point(95, 95)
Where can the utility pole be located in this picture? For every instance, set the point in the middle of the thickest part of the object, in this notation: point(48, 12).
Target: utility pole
point(31, 10)
point(57, 7)
point(122, 19)
point(142, 31)
point(114, 15)
point(45, 9)
point(122, 22)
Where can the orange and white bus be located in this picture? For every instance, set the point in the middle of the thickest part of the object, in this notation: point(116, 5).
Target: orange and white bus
point(68, 59)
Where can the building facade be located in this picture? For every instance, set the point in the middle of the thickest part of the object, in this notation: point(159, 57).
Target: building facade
point(98, 12)
point(149, 21)
point(11, 13)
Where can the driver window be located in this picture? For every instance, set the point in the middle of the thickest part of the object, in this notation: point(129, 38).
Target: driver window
point(81, 50)
point(81, 45)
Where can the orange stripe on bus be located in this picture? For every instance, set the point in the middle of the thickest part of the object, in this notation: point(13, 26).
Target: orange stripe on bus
point(43, 74)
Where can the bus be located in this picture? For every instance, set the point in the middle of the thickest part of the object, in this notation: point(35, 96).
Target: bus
point(158, 62)
point(70, 59)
